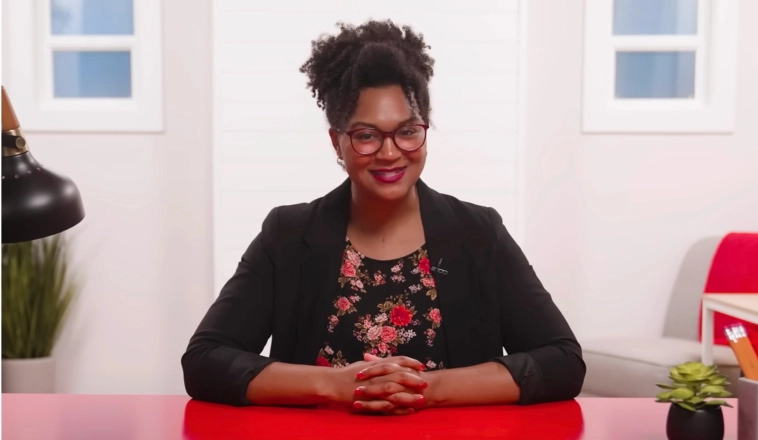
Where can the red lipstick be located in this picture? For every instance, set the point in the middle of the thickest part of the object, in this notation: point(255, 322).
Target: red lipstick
point(388, 175)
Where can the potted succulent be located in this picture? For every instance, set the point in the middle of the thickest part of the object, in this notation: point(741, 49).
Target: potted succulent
point(695, 411)
point(37, 292)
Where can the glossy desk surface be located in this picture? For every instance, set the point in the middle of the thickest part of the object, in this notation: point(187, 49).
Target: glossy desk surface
point(84, 417)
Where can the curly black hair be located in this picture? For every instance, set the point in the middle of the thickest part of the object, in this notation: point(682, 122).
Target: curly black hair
point(374, 54)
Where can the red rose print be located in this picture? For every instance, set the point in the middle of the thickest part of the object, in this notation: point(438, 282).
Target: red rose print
point(343, 303)
point(348, 269)
point(435, 315)
point(388, 334)
point(322, 361)
point(401, 316)
point(428, 281)
point(424, 266)
point(382, 347)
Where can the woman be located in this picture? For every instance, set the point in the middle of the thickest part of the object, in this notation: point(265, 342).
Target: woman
point(410, 293)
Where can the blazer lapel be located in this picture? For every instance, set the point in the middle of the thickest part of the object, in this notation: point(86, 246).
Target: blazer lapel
point(320, 268)
point(444, 237)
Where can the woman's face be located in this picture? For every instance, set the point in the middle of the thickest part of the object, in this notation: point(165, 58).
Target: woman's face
point(389, 173)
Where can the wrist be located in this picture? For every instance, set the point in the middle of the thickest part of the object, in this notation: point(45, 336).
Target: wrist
point(432, 393)
point(324, 385)
point(330, 386)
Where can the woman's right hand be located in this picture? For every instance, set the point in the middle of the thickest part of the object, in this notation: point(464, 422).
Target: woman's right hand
point(397, 374)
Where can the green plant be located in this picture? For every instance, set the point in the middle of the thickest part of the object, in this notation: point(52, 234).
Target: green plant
point(693, 383)
point(37, 293)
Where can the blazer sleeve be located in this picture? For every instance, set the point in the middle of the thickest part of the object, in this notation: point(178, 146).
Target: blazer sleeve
point(543, 356)
point(223, 355)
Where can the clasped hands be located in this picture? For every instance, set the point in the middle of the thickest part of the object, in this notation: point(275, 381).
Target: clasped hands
point(393, 385)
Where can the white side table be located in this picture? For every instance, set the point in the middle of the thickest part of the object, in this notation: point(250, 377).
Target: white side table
point(742, 306)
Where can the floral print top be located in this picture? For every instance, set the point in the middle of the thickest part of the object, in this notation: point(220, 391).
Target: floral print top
point(386, 308)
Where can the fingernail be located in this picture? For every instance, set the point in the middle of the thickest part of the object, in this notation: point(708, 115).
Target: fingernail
point(411, 410)
point(359, 391)
point(357, 405)
point(421, 399)
point(423, 367)
point(360, 375)
point(425, 385)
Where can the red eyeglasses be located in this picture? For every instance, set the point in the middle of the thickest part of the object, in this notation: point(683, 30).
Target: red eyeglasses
point(366, 141)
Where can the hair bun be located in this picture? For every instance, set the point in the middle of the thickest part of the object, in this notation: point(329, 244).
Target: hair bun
point(376, 53)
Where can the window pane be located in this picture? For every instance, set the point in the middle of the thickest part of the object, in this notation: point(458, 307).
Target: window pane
point(654, 17)
point(655, 75)
point(92, 74)
point(92, 17)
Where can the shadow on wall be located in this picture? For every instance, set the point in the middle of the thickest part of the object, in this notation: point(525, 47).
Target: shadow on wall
point(684, 306)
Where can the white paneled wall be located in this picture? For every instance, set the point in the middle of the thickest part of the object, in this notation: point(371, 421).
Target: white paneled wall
point(271, 145)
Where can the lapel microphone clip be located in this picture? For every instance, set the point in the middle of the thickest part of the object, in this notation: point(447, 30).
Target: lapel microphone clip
point(439, 268)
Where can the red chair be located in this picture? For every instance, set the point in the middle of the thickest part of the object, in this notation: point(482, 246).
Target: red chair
point(734, 270)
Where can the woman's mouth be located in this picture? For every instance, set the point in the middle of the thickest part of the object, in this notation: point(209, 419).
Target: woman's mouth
point(388, 175)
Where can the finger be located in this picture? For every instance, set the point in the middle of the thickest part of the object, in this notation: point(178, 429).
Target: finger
point(412, 363)
point(392, 412)
point(373, 406)
point(382, 369)
point(406, 379)
point(379, 390)
point(405, 361)
point(402, 411)
point(409, 380)
point(407, 400)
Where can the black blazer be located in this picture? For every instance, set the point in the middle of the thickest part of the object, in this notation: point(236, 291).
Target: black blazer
point(489, 295)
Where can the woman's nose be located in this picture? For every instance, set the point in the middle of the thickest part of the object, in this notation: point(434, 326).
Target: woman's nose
point(388, 149)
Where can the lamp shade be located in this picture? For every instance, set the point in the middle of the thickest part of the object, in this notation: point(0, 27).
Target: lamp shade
point(37, 202)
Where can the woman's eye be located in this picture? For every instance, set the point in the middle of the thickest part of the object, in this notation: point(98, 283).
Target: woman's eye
point(365, 136)
point(410, 131)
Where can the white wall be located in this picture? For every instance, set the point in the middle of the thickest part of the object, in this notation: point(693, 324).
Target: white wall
point(609, 217)
point(271, 140)
point(145, 245)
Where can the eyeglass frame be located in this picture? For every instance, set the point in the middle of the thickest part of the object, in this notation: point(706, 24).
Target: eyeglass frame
point(385, 135)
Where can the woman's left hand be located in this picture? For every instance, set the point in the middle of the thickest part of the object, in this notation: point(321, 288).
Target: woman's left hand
point(383, 394)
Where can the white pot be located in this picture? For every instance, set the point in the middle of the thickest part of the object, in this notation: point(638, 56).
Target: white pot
point(36, 375)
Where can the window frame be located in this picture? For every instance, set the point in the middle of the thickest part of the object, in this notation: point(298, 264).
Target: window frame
point(712, 110)
point(28, 72)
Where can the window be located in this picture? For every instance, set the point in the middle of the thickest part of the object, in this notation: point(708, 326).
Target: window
point(662, 66)
point(84, 65)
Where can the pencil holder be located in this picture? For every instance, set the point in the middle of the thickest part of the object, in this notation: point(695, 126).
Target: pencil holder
point(747, 407)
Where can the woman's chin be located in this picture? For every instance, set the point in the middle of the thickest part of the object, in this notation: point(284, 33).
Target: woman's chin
point(391, 193)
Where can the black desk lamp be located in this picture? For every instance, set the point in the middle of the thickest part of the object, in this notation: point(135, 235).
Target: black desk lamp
point(37, 202)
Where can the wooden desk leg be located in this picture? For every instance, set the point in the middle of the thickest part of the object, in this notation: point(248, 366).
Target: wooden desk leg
point(707, 330)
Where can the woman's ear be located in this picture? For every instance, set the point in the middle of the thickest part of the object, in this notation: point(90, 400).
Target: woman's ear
point(335, 141)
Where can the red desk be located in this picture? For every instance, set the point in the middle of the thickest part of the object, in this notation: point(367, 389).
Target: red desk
point(101, 417)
